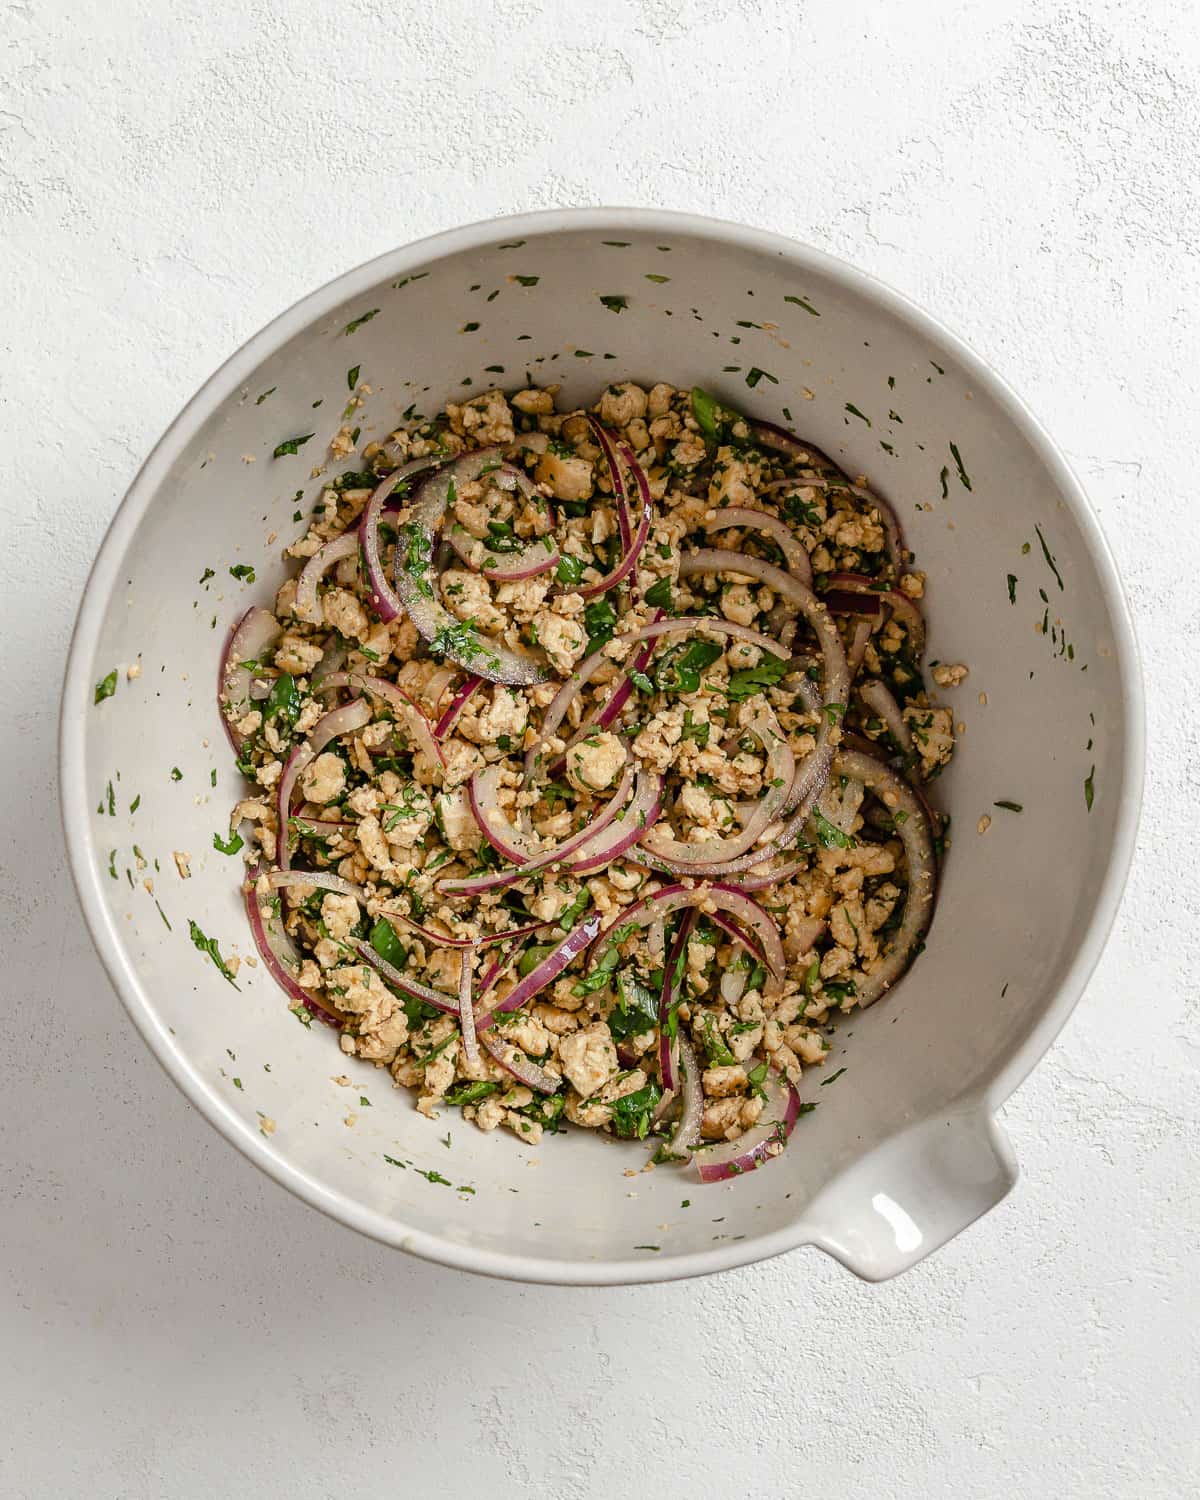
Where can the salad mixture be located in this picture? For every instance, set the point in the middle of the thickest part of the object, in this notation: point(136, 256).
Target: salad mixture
point(589, 753)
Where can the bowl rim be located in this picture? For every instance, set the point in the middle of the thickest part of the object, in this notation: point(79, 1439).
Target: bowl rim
point(224, 383)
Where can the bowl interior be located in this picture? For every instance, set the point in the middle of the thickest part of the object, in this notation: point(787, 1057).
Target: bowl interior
point(1018, 590)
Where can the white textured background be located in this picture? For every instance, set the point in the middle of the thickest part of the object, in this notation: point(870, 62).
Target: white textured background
point(172, 174)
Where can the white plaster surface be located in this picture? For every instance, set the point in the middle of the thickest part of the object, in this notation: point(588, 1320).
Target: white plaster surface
point(171, 175)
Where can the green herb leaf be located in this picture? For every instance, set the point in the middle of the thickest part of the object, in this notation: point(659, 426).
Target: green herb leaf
point(209, 945)
point(807, 306)
point(679, 669)
point(243, 572)
point(356, 323)
point(659, 594)
point(641, 682)
point(1089, 788)
point(352, 376)
point(283, 701)
point(106, 687)
point(963, 477)
point(829, 834)
point(754, 375)
point(231, 845)
point(569, 570)
point(526, 280)
point(258, 400)
point(751, 680)
point(1012, 588)
point(292, 445)
point(631, 1114)
point(1011, 806)
point(636, 1009)
point(471, 1093)
point(614, 303)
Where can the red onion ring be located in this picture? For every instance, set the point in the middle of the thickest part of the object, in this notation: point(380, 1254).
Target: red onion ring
point(253, 637)
point(415, 590)
point(510, 842)
point(450, 717)
point(514, 1061)
point(648, 908)
point(466, 1008)
point(323, 880)
point(307, 606)
point(879, 699)
point(545, 972)
point(443, 940)
point(399, 980)
point(410, 712)
point(535, 557)
point(780, 533)
point(384, 599)
point(626, 567)
point(676, 960)
point(914, 833)
point(779, 773)
point(761, 1144)
point(279, 955)
point(628, 828)
point(494, 880)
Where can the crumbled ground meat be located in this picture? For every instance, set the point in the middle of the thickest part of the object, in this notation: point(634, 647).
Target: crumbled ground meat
point(382, 822)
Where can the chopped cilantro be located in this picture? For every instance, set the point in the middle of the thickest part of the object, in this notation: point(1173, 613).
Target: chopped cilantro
point(1089, 788)
point(291, 445)
point(356, 323)
point(659, 594)
point(615, 303)
point(631, 1114)
point(1011, 806)
point(209, 945)
point(227, 846)
point(106, 687)
point(352, 376)
point(258, 400)
point(176, 774)
point(751, 680)
point(833, 1078)
point(963, 477)
point(569, 570)
point(526, 280)
point(829, 834)
point(244, 572)
point(807, 306)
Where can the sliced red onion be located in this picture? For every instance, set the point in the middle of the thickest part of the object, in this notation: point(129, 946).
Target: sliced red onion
point(448, 719)
point(466, 1008)
point(768, 435)
point(384, 599)
point(252, 639)
point(334, 660)
point(868, 592)
point(323, 880)
point(912, 828)
point(514, 1061)
point(455, 639)
point(307, 605)
point(407, 709)
point(546, 972)
point(687, 1128)
point(779, 774)
point(762, 1143)
point(510, 842)
point(765, 880)
point(279, 955)
point(399, 980)
point(628, 828)
point(879, 699)
point(858, 646)
point(337, 722)
point(476, 885)
point(300, 756)
point(744, 517)
point(674, 973)
point(633, 544)
point(534, 557)
point(715, 895)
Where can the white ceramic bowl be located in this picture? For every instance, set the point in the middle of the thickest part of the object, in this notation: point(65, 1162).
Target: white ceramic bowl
point(904, 1150)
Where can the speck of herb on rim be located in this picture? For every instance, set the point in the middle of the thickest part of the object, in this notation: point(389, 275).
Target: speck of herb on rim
point(615, 302)
point(854, 412)
point(106, 687)
point(1089, 788)
point(963, 477)
point(651, 276)
point(258, 400)
point(1009, 806)
point(944, 476)
point(833, 1078)
point(526, 281)
point(352, 376)
point(807, 306)
point(1012, 588)
point(754, 375)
